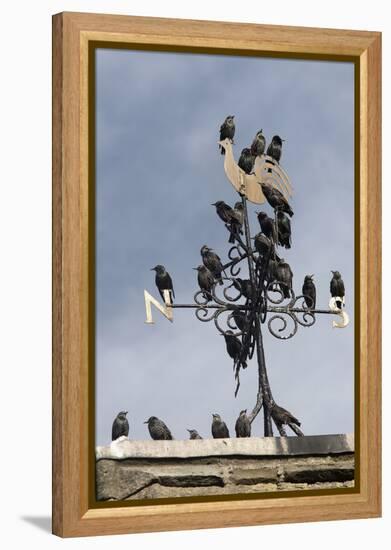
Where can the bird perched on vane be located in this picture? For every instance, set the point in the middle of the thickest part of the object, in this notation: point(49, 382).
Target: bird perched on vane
point(267, 225)
point(309, 292)
point(276, 199)
point(234, 349)
point(219, 427)
point(258, 145)
point(244, 286)
point(283, 417)
point(227, 131)
point(284, 277)
point(205, 281)
point(246, 161)
point(284, 229)
point(232, 217)
point(337, 288)
point(275, 148)
point(120, 426)
point(262, 244)
point(212, 261)
point(194, 434)
point(240, 319)
point(237, 218)
point(164, 282)
point(158, 429)
point(243, 425)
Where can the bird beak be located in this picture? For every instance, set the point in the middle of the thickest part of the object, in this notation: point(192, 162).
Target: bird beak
point(152, 269)
point(196, 269)
point(126, 412)
point(146, 422)
point(213, 204)
point(312, 276)
point(332, 272)
point(188, 430)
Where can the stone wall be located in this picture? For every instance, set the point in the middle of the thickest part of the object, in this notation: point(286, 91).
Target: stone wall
point(165, 469)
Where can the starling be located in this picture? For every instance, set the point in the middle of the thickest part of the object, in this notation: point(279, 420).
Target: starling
point(284, 229)
point(205, 281)
point(157, 428)
point(267, 225)
point(163, 281)
point(227, 131)
point(337, 287)
point(212, 261)
point(240, 319)
point(120, 426)
point(224, 211)
point(237, 217)
point(262, 244)
point(258, 145)
point(243, 425)
point(244, 286)
point(194, 434)
point(275, 148)
point(272, 270)
point(219, 428)
point(246, 161)
point(284, 277)
point(276, 199)
point(309, 292)
point(234, 349)
point(282, 416)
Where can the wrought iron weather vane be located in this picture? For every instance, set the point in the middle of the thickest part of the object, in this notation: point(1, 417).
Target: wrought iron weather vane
point(262, 301)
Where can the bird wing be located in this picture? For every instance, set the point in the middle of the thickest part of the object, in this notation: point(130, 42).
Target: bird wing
point(170, 285)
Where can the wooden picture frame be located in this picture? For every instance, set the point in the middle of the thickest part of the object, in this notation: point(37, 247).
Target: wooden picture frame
point(73, 34)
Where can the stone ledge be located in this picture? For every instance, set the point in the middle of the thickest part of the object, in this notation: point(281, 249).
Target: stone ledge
point(314, 445)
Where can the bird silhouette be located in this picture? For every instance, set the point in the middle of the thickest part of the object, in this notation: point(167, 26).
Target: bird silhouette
point(227, 131)
point(282, 416)
point(275, 148)
point(120, 426)
point(258, 145)
point(309, 292)
point(212, 261)
point(337, 287)
point(246, 161)
point(205, 281)
point(244, 286)
point(219, 428)
point(284, 229)
point(157, 428)
point(284, 277)
point(194, 434)
point(276, 199)
point(267, 225)
point(243, 425)
point(163, 282)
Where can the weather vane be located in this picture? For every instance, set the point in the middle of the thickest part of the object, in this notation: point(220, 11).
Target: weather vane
point(241, 307)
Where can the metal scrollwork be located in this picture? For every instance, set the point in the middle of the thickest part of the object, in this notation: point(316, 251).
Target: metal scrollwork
point(279, 332)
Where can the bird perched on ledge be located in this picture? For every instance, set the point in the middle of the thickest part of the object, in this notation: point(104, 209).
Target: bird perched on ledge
point(120, 426)
point(163, 282)
point(194, 434)
point(157, 428)
point(281, 417)
point(227, 131)
point(219, 428)
point(243, 425)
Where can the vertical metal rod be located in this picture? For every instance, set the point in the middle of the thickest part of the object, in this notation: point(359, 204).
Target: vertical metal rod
point(263, 383)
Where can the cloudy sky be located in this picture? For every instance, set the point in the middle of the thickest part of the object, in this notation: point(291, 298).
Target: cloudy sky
point(158, 170)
